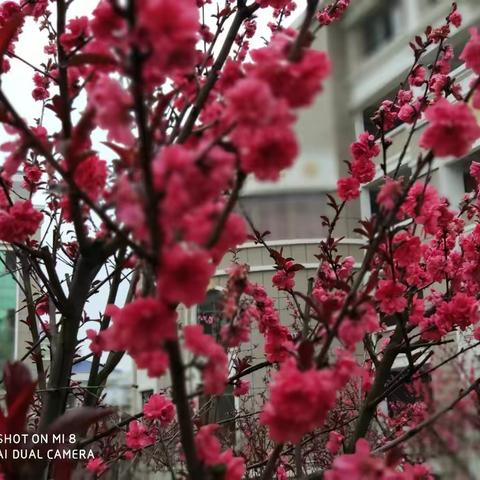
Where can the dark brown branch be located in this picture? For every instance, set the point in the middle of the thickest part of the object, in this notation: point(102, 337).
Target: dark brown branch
point(429, 421)
point(242, 14)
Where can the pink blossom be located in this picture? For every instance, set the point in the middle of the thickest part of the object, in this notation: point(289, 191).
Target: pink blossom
point(353, 329)
point(208, 445)
point(260, 106)
point(407, 250)
point(184, 275)
point(269, 151)
point(172, 28)
point(215, 370)
point(452, 129)
point(159, 407)
point(105, 23)
point(423, 205)
point(91, 175)
point(137, 436)
point(389, 192)
point(19, 222)
point(31, 176)
point(348, 188)
point(298, 402)
point(281, 473)
point(154, 361)
point(417, 77)
point(407, 113)
point(153, 319)
point(471, 52)
point(390, 294)
point(209, 452)
point(76, 31)
point(363, 170)
point(334, 442)
point(112, 106)
point(273, 3)
point(357, 466)
point(296, 82)
point(284, 280)
point(365, 148)
point(455, 18)
point(97, 345)
point(475, 171)
point(36, 9)
point(96, 466)
point(278, 344)
point(241, 388)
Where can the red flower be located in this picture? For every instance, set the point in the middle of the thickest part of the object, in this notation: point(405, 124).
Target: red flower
point(365, 148)
point(299, 402)
point(91, 176)
point(172, 27)
point(137, 436)
point(112, 108)
point(273, 3)
point(96, 466)
point(390, 295)
point(241, 388)
point(19, 222)
point(348, 188)
point(139, 326)
point(257, 110)
point(269, 151)
point(471, 52)
point(184, 275)
point(215, 371)
point(452, 130)
point(209, 452)
point(160, 408)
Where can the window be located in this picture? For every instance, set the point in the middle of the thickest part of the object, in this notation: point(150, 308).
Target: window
point(287, 215)
point(381, 26)
point(222, 407)
point(146, 394)
point(373, 190)
point(225, 406)
point(469, 183)
point(407, 393)
point(10, 261)
point(369, 112)
point(209, 313)
point(462, 168)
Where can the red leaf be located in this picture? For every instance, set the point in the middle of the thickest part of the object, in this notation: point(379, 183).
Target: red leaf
point(63, 469)
point(125, 154)
point(17, 411)
point(91, 59)
point(305, 353)
point(78, 419)
point(17, 379)
point(296, 268)
point(8, 31)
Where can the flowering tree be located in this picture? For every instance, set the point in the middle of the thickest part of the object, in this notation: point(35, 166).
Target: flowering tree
point(188, 112)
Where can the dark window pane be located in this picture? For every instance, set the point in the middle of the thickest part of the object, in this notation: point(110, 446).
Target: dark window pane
point(469, 183)
point(10, 261)
point(146, 394)
point(406, 393)
point(210, 311)
point(379, 27)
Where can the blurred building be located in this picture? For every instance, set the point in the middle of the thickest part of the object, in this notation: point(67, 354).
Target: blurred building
point(371, 57)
